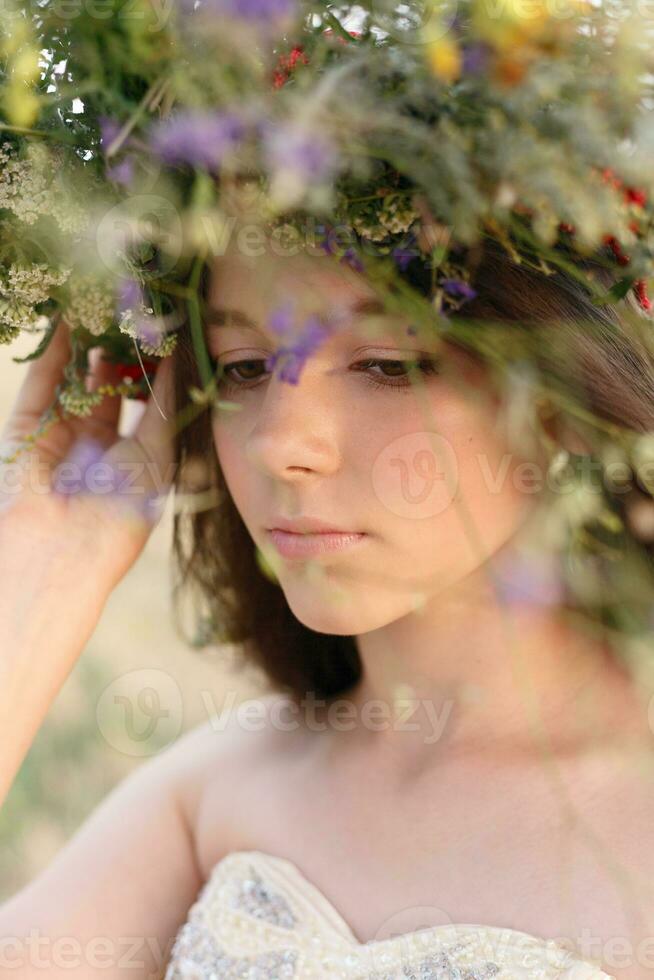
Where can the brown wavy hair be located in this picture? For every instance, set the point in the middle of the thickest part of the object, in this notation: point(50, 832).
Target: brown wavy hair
point(609, 368)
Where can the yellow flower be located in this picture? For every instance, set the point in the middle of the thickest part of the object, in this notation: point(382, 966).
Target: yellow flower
point(25, 66)
point(21, 105)
point(525, 22)
point(444, 57)
point(16, 35)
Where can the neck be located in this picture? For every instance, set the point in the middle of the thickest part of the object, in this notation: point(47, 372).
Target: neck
point(468, 673)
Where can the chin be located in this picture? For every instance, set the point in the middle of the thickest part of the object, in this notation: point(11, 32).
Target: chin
point(342, 614)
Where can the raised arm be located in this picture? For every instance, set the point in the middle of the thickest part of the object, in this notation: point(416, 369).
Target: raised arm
point(61, 554)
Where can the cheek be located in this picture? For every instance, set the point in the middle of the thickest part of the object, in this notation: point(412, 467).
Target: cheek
point(229, 450)
point(496, 501)
point(431, 475)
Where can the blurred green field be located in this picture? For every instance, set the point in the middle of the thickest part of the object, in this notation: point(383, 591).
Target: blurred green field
point(136, 687)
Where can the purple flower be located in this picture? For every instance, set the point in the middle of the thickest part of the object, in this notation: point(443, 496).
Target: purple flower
point(298, 155)
point(401, 258)
point(260, 11)
point(299, 345)
point(529, 581)
point(403, 254)
point(74, 470)
point(123, 172)
point(109, 129)
point(458, 288)
point(305, 153)
point(324, 240)
point(149, 330)
point(85, 471)
point(328, 245)
point(129, 295)
point(476, 56)
point(280, 320)
point(143, 325)
point(199, 138)
point(351, 258)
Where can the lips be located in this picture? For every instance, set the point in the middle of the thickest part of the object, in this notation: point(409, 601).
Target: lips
point(306, 538)
point(307, 525)
point(291, 545)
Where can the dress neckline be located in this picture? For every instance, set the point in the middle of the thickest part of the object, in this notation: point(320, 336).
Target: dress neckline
point(288, 874)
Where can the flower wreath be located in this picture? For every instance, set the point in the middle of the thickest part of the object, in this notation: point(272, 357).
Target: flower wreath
point(132, 137)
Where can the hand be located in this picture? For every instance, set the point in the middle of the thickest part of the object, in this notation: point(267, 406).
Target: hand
point(91, 531)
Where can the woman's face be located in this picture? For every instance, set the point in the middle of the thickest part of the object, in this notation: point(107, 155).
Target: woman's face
point(416, 476)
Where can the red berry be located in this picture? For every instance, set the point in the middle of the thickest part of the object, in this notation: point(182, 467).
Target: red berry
point(640, 288)
point(616, 248)
point(609, 177)
point(286, 64)
point(636, 196)
point(135, 372)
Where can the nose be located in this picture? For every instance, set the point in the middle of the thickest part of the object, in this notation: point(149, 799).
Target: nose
point(296, 435)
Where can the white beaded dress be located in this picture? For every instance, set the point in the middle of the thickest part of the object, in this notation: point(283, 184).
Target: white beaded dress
point(258, 917)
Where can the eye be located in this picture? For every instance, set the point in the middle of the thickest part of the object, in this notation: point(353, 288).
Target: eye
point(379, 372)
point(396, 373)
point(240, 373)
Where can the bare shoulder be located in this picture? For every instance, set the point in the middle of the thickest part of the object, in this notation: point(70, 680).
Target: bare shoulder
point(132, 869)
point(231, 747)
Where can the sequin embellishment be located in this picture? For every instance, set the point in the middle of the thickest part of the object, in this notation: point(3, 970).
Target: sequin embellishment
point(260, 901)
point(443, 964)
point(197, 956)
point(258, 918)
point(439, 966)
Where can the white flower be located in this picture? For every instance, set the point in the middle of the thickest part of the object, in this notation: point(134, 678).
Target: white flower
point(27, 188)
point(32, 283)
point(91, 304)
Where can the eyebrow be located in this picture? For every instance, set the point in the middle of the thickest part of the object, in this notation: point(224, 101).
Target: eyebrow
point(222, 317)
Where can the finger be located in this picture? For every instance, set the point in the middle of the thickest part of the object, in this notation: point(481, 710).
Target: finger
point(104, 417)
point(155, 430)
point(139, 468)
point(37, 389)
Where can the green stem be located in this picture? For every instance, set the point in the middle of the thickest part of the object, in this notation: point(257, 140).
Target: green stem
point(57, 136)
point(154, 91)
point(172, 288)
point(329, 18)
point(197, 334)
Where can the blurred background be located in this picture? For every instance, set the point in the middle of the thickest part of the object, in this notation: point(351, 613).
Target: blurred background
point(136, 688)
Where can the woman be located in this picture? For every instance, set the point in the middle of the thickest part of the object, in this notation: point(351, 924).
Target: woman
point(442, 779)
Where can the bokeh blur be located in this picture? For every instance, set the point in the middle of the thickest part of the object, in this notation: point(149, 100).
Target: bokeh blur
point(135, 689)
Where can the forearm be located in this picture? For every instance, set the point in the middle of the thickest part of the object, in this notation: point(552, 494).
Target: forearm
point(45, 623)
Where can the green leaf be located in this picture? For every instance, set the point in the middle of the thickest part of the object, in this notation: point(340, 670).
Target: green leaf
point(45, 340)
point(617, 291)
